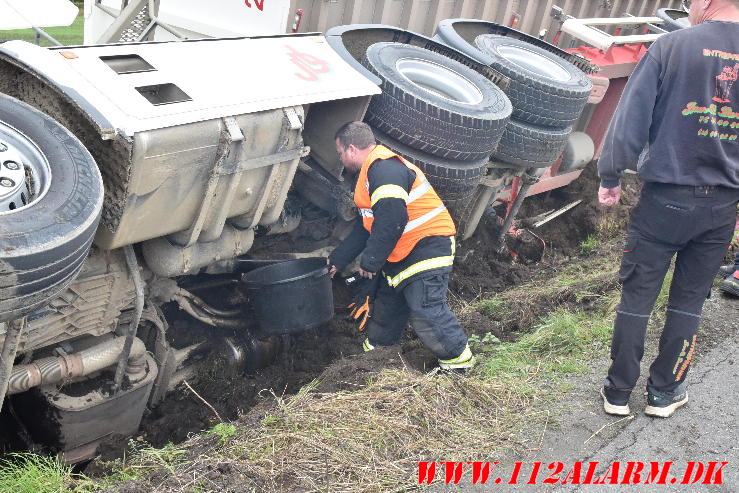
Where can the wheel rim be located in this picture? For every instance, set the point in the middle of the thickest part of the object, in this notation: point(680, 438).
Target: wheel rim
point(439, 80)
point(25, 175)
point(534, 62)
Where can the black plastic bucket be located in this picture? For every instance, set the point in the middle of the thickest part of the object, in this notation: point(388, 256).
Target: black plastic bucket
point(291, 296)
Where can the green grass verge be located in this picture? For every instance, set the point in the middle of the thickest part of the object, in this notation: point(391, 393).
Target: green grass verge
point(71, 35)
point(562, 344)
point(31, 473)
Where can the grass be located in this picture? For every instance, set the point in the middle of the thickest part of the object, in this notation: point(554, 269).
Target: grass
point(562, 344)
point(223, 431)
point(575, 286)
point(31, 473)
point(588, 245)
point(144, 459)
point(70, 35)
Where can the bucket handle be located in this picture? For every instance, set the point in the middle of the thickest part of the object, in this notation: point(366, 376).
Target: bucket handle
point(316, 273)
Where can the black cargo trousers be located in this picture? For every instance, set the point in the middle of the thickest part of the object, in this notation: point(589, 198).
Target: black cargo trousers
point(697, 224)
point(422, 302)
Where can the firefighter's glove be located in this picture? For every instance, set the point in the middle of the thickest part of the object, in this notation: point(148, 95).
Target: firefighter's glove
point(364, 293)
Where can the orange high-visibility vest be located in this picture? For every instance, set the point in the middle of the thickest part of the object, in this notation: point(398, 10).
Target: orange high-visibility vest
point(427, 215)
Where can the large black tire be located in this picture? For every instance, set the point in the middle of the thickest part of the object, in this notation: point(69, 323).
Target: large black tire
point(435, 104)
point(452, 180)
point(674, 19)
point(545, 89)
point(531, 146)
point(44, 243)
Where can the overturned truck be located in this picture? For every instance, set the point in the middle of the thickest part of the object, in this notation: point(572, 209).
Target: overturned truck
point(134, 174)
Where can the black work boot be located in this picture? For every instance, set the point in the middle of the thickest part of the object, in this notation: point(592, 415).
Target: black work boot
point(615, 401)
point(663, 404)
point(726, 270)
point(730, 285)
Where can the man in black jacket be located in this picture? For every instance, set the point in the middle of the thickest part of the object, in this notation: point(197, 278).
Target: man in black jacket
point(677, 122)
point(405, 235)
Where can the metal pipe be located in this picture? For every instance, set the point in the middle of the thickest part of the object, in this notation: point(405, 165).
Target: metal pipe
point(13, 331)
point(171, 29)
point(46, 36)
point(200, 303)
point(526, 181)
point(196, 313)
point(56, 369)
point(133, 268)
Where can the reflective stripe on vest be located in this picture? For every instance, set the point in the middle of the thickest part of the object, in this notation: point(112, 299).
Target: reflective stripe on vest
point(389, 192)
point(427, 215)
point(422, 266)
point(424, 219)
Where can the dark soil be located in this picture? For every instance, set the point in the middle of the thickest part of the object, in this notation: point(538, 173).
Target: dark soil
point(232, 394)
point(480, 270)
point(334, 352)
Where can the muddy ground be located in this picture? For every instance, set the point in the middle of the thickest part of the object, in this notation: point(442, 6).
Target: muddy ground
point(480, 271)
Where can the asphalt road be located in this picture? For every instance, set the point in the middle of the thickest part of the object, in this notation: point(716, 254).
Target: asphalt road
point(704, 430)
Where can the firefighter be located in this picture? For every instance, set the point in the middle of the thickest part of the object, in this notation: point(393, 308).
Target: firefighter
point(671, 124)
point(405, 237)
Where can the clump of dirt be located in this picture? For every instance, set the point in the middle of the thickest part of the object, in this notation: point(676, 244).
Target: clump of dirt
point(479, 269)
point(234, 393)
point(354, 372)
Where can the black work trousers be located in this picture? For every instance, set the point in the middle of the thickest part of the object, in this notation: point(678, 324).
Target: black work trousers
point(422, 302)
point(697, 224)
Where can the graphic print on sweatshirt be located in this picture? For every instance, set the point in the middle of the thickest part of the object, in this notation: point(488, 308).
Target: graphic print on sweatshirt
point(720, 114)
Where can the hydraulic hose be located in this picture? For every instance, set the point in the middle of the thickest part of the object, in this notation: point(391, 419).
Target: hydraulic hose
point(216, 312)
point(133, 268)
point(53, 370)
point(199, 314)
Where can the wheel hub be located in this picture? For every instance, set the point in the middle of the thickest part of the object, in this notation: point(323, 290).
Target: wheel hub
point(24, 172)
point(14, 192)
point(534, 62)
point(439, 80)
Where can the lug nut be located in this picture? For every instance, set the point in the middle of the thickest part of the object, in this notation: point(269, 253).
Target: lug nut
point(3, 147)
point(12, 165)
point(6, 182)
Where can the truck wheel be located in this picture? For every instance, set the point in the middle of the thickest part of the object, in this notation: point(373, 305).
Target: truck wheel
point(452, 180)
point(674, 19)
point(531, 146)
point(51, 196)
point(435, 104)
point(545, 89)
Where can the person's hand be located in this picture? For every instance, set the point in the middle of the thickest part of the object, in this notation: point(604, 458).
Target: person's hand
point(609, 196)
point(332, 269)
point(366, 274)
